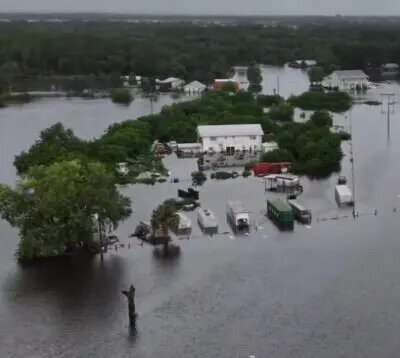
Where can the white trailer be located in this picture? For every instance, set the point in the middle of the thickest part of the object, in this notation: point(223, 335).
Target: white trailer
point(238, 216)
point(184, 226)
point(343, 195)
point(207, 221)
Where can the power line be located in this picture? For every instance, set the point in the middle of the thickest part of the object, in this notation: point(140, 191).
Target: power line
point(389, 110)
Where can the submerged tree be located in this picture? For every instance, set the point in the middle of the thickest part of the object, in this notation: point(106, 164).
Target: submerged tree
point(54, 208)
point(255, 78)
point(164, 219)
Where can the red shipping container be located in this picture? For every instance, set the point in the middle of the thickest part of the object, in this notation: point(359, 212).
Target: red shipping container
point(219, 84)
point(261, 169)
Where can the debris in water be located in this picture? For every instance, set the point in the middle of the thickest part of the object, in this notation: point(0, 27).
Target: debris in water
point(247, 234)
point(231, 237)
point(308, 226)
point(265, 236)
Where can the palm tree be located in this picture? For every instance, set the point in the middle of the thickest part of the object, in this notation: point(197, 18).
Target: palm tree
point(164, 219)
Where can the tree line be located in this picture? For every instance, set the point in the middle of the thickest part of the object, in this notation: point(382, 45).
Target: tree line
point(186, 50)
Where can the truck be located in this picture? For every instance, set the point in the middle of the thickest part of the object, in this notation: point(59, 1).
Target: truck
point(261, 169)
point(238, 216)
point(300, 212)
point(343, 195)
point(280, 214)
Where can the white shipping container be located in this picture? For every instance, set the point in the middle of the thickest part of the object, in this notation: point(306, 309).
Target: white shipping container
point(343, 195)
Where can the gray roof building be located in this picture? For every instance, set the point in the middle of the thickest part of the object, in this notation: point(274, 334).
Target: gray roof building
point(230, 130)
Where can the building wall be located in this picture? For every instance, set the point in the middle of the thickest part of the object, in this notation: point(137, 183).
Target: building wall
point(219, 144)
point(344, 84)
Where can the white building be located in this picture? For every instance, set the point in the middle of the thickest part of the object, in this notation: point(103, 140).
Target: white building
point(347, 80)
point(170, 83)
point(269, 146)
point(240, 76)
point(194, 88)
point(231, 138)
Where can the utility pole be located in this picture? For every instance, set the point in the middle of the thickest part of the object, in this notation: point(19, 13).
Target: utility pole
point(278, 85)
point(352, 164)
point(389, 110)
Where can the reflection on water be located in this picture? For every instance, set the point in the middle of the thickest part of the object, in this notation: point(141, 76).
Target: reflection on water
point(331, 290)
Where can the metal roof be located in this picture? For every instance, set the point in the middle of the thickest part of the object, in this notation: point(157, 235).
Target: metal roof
point(351, 74)
point(230, 130)
point(195, 84)
point(280, 205)
point(237, 207)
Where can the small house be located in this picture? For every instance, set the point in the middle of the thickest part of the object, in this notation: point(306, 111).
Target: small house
point(171, 83)
point(194, 88)
point(269, 147)
point(240, 77)
point(230, 139)
point(390, 69)
point(347, 80)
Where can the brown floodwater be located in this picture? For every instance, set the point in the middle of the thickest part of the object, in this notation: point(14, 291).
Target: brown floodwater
point(329, 290)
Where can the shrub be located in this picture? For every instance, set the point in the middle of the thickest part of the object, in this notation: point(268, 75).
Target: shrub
point(322, 119)
point(121, 95)
point(277, 156)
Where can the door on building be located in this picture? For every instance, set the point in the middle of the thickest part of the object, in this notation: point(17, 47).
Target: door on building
point(230, 150)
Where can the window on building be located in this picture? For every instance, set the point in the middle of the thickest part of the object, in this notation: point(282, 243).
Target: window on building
point(213, 138)
point(253, 137)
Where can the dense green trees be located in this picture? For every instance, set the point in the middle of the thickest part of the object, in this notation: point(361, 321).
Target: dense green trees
point(316, 74)
point(321, 119)
point(311, 145)
point(54, 208)
point(319, 100)
point(186, 50)
point(255, 78)
point(121, 95)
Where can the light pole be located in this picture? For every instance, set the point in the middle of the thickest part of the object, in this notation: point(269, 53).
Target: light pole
point(97, 218)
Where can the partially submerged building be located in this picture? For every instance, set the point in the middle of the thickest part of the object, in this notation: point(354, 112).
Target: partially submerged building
point(231, 138)
point(347, 80)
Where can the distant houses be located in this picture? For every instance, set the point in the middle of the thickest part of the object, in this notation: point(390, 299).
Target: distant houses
point(194, 88)
point(170, 83)
point(390, 69)
point(347, 80)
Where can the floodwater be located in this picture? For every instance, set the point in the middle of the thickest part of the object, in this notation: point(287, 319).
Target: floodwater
point(331, 290)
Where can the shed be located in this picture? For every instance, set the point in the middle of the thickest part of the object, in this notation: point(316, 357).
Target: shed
point(194, 88)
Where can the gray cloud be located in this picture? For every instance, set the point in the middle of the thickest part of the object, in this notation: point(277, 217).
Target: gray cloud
point(217, 7)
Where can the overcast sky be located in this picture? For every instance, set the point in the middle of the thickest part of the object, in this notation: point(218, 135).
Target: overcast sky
point(217, 7)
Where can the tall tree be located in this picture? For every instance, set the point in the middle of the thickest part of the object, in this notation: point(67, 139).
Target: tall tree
point(164, 219)
point(255, 78)
point(54, 208)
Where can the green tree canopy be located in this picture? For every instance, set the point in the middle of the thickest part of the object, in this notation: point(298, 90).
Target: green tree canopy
point(53, 208)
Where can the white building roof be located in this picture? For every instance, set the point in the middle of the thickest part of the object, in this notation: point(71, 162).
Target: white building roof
point(195, 84)
point(230, 130)
point(170, 80)
point(351, 74)
point(391, 65)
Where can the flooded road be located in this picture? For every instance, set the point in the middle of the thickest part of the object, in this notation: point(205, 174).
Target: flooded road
point(331, 290)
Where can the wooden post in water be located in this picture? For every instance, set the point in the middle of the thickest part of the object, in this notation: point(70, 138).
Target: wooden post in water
point(131, 305)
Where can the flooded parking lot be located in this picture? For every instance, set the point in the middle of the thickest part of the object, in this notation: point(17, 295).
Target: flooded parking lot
point(331, 290)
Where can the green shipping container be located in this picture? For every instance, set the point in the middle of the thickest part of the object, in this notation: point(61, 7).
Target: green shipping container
point(280, 214)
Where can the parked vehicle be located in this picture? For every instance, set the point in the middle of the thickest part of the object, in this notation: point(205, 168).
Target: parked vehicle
point(343, 195)
point(280, 214)
point(283, 183)
point(207, 221)
point(261, 169)
point(189, 194)
point(300, 212)
point(184, 226)
point(238, 216)
point(342, 180)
